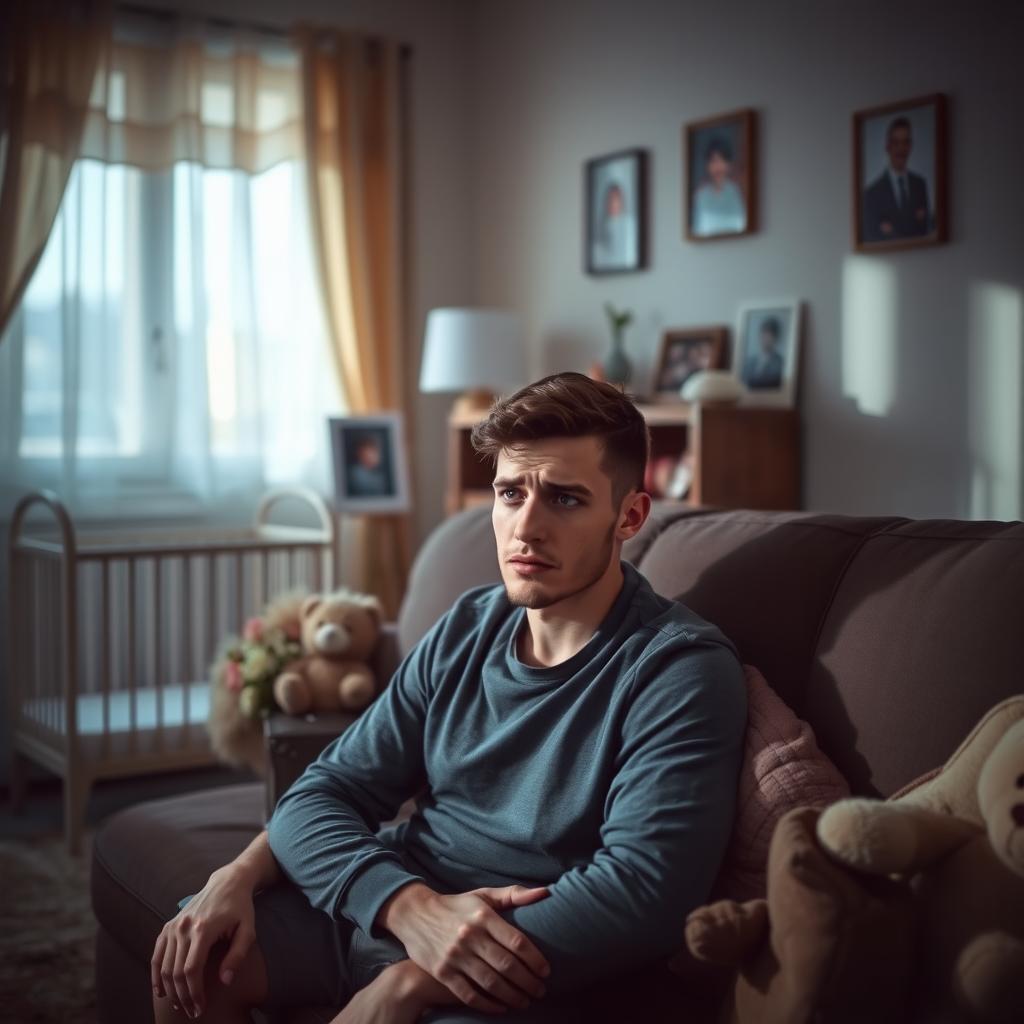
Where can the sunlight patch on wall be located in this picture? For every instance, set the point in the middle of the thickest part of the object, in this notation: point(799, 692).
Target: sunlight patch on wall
point(869, 311)
point(995, 411)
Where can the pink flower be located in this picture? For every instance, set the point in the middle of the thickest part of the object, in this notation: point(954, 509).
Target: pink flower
point(293, 630)
point(233, 676)
point(253, 631)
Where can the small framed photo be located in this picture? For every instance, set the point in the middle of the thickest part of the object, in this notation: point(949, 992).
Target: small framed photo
point(720, 157)
point(368, 457)
point(899, 175)
point(681, 354)
point(767, 352)
point(615, 215)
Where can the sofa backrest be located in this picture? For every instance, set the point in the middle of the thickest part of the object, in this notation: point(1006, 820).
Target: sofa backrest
point(891, 637)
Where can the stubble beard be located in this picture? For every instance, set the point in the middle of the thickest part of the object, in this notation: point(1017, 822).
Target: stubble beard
point(533, 596)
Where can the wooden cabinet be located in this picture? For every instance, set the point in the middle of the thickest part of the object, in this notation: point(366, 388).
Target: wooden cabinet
point(739, 456)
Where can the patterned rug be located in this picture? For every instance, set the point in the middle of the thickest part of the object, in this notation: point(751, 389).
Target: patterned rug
point(47, 934)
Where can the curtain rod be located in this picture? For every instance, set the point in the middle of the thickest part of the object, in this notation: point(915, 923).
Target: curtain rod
point(219, 21)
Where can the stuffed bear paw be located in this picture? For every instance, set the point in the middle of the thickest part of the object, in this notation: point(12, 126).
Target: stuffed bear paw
point(356, 690)
point(292, 693)
point(725, 932)
point(989, 977)
point(869, 835)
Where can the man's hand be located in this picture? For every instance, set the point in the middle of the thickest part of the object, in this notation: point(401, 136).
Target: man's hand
point(467, 946)
point(398, 995)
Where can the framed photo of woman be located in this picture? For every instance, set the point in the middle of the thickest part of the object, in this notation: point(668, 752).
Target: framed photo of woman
point(720, 158)
point(615, 214)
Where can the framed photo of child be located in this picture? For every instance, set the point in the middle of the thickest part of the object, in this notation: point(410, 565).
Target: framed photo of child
point(767, 354)
point(368, 456)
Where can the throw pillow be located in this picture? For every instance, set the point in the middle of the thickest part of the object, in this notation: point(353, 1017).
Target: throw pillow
point(782, 769)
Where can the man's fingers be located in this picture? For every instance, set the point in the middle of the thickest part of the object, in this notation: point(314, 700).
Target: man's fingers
point(461, 988)
point(520, 896)
point(495, 986)
point(511, 969)
point(516, 942)
point(509, 896)
point(184, 999)
point(195, 966)
point(240, 943)
point(156, 963)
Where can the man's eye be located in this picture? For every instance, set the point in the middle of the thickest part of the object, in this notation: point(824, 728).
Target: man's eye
point(567, 500)
point(509, 494)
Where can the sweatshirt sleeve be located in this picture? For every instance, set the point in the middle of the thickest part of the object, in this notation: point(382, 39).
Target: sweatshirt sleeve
point(668, 817)
point(323, 831)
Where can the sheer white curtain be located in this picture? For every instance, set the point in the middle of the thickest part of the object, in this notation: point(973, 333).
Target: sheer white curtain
point(170, 352)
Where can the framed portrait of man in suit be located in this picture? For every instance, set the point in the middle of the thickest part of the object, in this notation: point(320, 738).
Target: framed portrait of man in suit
point(899, 175)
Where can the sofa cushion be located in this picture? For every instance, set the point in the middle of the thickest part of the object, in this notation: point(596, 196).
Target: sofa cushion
point(782, 769)
point(764, 578)
point(920, 640)
point(149, 856)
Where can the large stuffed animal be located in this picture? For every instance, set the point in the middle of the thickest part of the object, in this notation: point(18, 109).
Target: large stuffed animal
point(959, 837)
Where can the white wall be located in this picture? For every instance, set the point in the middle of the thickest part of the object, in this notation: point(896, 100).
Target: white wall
point(913, 373)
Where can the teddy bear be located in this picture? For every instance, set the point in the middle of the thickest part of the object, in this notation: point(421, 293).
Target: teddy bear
point(240, 691)
point(338, 633)
point(959, 837)
point(824, 946)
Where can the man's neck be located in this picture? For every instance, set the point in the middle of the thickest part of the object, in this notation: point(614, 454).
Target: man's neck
point(554, 634)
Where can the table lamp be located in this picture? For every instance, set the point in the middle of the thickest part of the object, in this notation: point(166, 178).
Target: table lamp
point(475, 351)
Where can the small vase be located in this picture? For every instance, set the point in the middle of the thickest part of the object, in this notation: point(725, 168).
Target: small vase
point(617, 367)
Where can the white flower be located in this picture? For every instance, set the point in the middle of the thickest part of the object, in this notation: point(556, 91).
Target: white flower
point(256, 664)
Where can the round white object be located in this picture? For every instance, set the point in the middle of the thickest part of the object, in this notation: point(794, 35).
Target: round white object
point(712, 386)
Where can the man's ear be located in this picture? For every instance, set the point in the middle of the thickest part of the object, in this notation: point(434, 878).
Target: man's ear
point(633, 513)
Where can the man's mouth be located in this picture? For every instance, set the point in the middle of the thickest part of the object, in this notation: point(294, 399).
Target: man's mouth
point(527, 565)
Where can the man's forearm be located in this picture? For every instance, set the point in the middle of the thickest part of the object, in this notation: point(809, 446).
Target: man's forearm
point(256, 864)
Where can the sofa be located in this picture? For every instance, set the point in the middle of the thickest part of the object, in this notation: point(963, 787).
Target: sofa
point(890, 636)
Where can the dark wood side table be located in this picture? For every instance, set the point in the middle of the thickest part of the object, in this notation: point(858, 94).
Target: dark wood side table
point(292, 743)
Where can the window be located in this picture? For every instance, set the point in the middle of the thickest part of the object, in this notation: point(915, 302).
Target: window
point(170, 345)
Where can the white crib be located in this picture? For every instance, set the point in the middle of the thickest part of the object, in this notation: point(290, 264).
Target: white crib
point(111, 636)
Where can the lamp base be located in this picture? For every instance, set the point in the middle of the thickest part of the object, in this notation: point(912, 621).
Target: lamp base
point(476, 401)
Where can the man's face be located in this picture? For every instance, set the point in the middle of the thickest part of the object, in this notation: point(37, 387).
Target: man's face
point(554, 521)
point(898, 147)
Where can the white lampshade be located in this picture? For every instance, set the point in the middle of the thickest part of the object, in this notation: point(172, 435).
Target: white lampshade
point(472, 349)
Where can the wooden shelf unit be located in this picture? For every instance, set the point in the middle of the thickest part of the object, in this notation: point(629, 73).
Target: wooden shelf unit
point(743, 456)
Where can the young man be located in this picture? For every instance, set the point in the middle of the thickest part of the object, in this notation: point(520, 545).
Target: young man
point(575, 740)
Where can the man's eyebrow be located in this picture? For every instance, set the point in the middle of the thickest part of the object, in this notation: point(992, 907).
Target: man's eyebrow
point(517, 481)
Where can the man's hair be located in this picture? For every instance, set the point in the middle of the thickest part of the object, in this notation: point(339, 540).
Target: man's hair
point(772, 326)
point(896, 122)
point(718, 145)
point(571, 405)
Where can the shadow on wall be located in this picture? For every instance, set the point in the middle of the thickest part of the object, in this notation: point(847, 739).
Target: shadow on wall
point(933, 421)
point(995, 401)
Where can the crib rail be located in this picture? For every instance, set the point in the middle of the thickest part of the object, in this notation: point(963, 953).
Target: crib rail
point(111, 637)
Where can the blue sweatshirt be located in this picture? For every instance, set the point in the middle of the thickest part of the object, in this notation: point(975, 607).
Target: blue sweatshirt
point(610, 778)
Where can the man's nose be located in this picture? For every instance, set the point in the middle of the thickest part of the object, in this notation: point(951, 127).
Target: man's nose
point(530, 520)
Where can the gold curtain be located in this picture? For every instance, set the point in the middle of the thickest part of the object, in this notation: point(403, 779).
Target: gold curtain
point(50, 57)
point(352, 104)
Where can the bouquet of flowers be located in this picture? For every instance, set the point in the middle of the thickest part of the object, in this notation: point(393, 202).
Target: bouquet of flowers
point(255, 662)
